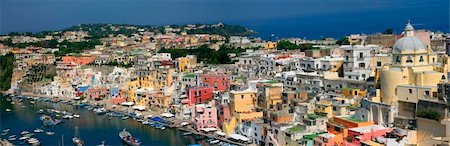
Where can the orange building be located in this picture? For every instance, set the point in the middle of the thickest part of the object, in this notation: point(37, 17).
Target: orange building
point(340, 125)
point(83, 60)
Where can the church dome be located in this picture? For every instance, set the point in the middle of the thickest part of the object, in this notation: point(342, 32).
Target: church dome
point(409, 44)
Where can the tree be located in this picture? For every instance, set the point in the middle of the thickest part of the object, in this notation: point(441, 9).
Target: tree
point(389, 31)
point(343, 41)
point(285, 44)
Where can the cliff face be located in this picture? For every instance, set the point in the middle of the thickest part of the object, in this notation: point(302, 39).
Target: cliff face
point(6, 71)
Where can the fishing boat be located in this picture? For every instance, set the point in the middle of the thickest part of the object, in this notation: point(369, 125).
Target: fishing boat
point(162, 128)
point(49, 121)
point(8, 110)
point(4, 133)
point(124, 117)
point(76, 116)
point(12, 139)
point(41, 111)
point(67, 117)
point(128, 139)
point(76, 139)
point(33, 142)
point(6, 130)
point(38, 130)
point(12, 136)
point(49, 133)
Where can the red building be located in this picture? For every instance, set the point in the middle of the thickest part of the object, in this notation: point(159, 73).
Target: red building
point(220, 82)
point(197, 95)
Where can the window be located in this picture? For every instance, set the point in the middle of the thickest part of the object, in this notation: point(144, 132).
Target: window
point(410, 91)
point(242, 96)
point(409, 60)
point(427, 93)
point(337, 129)
point(361, 55)
point(397, 59)
point(421, 59)
point(378, 63)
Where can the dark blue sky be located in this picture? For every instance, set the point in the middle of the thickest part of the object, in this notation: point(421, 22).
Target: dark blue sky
point(285, 18)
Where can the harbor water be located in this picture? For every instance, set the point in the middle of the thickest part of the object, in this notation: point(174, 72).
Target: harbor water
point(92, 128)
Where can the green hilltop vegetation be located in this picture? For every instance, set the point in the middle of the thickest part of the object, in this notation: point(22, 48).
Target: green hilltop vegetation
point(6, 71)
point(205, 54)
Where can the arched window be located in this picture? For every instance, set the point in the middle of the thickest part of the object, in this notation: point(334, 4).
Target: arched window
point(421, 59)
point(409, 59)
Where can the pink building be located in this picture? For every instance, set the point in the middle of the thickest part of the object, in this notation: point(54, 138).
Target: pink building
point(204, 116)
point(224, 114)
point(366, 133)
point(97, 93)
point(198, 95)
point(220, 82)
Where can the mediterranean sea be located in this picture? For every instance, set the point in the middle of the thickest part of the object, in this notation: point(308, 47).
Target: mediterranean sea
point(312, 19)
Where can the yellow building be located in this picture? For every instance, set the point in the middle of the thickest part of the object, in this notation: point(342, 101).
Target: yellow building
point(269, 94)
point(242, 108)
point(156, 80)
point(270, 45)
point(185, 63)
point(414, 69)
point(324, 107)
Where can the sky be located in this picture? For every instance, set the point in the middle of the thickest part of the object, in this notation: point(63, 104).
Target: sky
point(284, 18)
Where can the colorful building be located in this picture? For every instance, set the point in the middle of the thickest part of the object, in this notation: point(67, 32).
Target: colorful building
point(198, 95)
point(220, 82)
point(204, 116)
point(365, 133)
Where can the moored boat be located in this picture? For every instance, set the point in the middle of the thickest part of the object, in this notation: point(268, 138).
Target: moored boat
point(38, 130)
point(76, 139)
point(128, 139)
point(34, 142)
point(49, 133)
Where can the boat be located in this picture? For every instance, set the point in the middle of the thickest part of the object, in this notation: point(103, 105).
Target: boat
point(124, 117)
point(214, 141)
point(187, 133)
point(24, 132)
point(6, 130)
point(12, 138)
point(128, 139)
point(145, 122)
point(38, 130)
point(76, 139)
point(24, 138)
point(49, 121)
point(100, 111)
point(41, 111)
point(29, 135)
point(76, 116)
point(49, 133)
point(33, 141)
point(162, 128)
point(8, 110)
point(4, 133)
point(67, 117)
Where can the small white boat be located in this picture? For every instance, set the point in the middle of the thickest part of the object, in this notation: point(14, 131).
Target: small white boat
point(214, 141)
point(41, 111)
point(12, 138)
point(76, 116)
point(4, 133)
point(12, 102)
point(67, 117)
point(102, 144)
point(23, 106)
point(49, 133)
point(162, 128)
point(38, 130)
point(8, 110)
point(6, 130)
point(23, 138)
point(33, 141)
point(24, 132)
